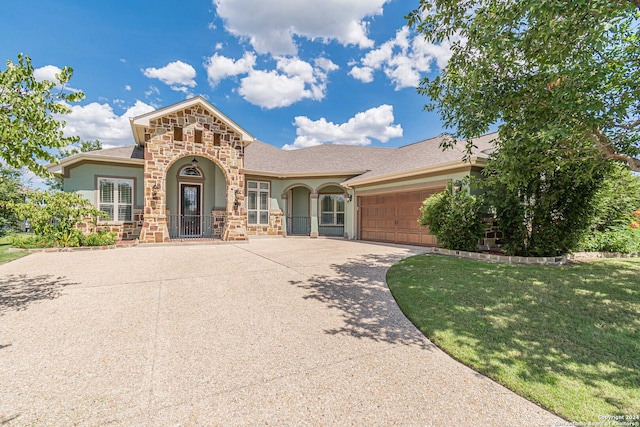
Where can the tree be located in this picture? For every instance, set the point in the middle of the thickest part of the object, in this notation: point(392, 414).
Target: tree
point(11, 191)
point(56, 183)
point(557, 74)
point(29, 130)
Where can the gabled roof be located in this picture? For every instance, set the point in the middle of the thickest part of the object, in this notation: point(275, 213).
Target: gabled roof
point(139, 123)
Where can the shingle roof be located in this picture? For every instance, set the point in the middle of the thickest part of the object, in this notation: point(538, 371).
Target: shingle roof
point(363, 164)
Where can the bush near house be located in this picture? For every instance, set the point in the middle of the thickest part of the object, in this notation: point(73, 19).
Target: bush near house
point(455, 218)
point(53, 217)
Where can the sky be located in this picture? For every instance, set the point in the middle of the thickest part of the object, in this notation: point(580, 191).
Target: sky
point(293, 73)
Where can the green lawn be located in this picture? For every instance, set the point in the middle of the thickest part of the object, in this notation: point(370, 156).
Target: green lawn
point(567, 338)
point(5, 254)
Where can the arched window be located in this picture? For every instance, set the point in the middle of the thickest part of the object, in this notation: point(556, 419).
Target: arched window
point(190, 171)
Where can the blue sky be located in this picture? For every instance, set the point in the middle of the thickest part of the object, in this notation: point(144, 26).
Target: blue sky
point(293, 73)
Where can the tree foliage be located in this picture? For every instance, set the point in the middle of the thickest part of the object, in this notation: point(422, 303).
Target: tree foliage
point(11, 191)
point(454, 218)
point(54, 215)
point(541, 210)
point(564, 75)
point(29, 129)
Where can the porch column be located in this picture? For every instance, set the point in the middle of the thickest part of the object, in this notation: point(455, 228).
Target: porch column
point(286, 212)
point(314, 215)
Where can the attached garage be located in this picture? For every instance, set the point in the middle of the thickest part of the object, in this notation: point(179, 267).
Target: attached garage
point(393, 217)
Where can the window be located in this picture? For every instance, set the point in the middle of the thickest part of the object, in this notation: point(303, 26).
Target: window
point(116, 198)
point(332, 209)
point(177, 133)
point(198, 136)
point(190, 171)
point(258, 202)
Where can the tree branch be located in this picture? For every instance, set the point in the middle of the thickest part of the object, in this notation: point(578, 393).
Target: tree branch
point(603, 144)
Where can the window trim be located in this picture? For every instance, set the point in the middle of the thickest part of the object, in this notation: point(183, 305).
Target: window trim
point(116, 204)
point(258, 211)
point(334, 213)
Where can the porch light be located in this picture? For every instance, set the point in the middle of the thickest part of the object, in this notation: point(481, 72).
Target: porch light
point(349, 197)
point(194, 162)
point(457, 186)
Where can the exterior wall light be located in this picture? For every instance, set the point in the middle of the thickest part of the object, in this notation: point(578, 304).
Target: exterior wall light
point(194, 162)
point(457, 186)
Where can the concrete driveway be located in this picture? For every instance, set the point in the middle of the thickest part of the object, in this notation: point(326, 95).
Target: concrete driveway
point(274, 332)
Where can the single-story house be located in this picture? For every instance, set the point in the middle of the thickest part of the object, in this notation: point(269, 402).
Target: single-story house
point(195, 173)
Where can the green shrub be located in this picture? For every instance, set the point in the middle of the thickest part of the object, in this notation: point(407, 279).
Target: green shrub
point(32, 242)
point(455, 219)
point(53, 216)
point(622, 239)
point(99, 238)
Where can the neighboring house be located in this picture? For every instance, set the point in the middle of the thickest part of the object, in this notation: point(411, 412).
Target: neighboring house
point(195, 173)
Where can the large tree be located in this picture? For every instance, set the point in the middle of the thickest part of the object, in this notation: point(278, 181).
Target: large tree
point(29, 129)
point(562, 75)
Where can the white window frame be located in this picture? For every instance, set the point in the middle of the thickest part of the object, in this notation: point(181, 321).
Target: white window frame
point(258, 190)
point(116, 199)
point(334, 213)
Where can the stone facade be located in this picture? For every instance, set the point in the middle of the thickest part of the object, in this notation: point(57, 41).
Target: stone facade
point(492, 236)
point(123, 230)
point(193, 131)
point(274, 228)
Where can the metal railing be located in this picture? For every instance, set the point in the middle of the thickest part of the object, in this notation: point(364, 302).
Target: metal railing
point(331, 230)
point(195, 226)
point(298, 225)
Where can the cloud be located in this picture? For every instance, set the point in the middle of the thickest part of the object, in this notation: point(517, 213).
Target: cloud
point(374, 123)
point(127, 87)
point(178, 75)
point(48, 72)
point(403, 59)
point(292, 81)
point(99, 121)
point(219, 67)
point(272, 24)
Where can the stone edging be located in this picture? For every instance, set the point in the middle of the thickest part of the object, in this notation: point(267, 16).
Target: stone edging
point(77, 248)
point(508, 259)
point(503, 259)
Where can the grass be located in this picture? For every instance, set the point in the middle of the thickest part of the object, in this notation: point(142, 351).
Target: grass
point(566, 338)
point(5, 254)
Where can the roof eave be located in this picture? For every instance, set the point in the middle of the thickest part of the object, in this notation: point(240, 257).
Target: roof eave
point(70, 161)
point(285, 175)
point(443, 167)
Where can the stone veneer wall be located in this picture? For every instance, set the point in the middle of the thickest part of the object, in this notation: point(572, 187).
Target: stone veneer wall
point(274, 228)
point(161, 151)
point(492, 236)
point(123, 230)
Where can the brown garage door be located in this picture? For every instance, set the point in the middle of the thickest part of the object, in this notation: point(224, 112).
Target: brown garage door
point(394, 218)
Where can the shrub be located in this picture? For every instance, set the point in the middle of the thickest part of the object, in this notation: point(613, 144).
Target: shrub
point(455, 219)
point(99, 238)
point(624, 239)
point(53, 216)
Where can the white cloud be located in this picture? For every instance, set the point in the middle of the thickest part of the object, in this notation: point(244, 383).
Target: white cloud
point(364, 74)
point(127, 87)
point(99, 121)
point(48, 72)
point(219, 67)
point(293, 81)
point(374, 123)
point(403, 59)
point(178, 75)
point(272, 24)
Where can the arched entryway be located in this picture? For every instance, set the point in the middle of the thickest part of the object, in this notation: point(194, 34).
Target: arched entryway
point(299, 211)
point(196, 199)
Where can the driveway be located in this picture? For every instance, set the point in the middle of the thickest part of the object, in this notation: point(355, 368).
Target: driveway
point(274, 332)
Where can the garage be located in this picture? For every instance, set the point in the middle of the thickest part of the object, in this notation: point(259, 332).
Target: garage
point(393, 217)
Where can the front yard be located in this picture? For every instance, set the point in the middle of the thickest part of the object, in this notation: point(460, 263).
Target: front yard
point(567, 338)
point(5, 254)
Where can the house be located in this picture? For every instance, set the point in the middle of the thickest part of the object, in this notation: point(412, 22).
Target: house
point(195, 173)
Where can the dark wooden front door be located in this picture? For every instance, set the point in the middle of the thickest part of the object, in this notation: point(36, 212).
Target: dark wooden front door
point(190, 210)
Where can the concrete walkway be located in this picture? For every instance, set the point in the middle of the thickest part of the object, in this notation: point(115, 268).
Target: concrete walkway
point(272, 332)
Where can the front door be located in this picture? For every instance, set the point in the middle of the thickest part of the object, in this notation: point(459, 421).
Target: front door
point(190, 210)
